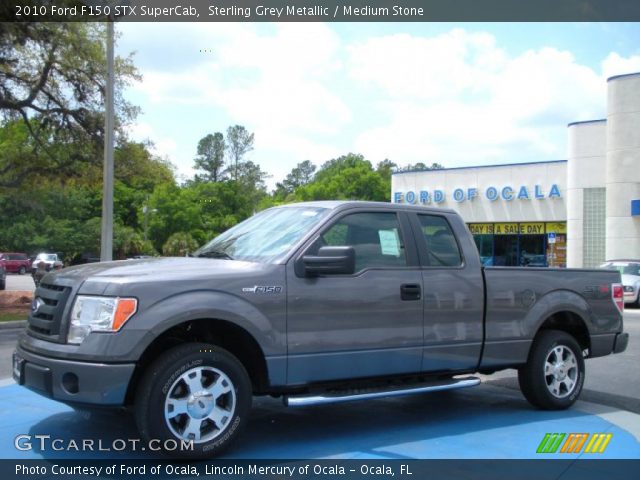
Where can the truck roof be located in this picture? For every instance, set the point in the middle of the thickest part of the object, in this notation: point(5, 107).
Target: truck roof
point(341, 204)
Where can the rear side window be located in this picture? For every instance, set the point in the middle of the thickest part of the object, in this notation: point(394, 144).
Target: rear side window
point(375, 237)
point(441, 243)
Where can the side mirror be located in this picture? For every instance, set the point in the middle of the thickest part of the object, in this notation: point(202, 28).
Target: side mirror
point(330, 260)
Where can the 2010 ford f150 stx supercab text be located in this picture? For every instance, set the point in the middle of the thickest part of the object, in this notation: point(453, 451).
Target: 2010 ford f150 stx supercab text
point(315, 302)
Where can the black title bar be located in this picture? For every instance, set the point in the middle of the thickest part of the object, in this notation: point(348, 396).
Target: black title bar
point(321, 10)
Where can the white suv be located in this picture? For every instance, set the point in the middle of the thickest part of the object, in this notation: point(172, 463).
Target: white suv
point(50, 260)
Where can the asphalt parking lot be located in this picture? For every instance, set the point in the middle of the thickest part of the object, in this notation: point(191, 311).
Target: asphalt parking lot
point(20, 282)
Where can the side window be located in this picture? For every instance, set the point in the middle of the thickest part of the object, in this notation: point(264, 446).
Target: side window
point(375, 237)
point(441, 243)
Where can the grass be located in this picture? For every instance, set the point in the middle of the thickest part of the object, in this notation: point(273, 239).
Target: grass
point(8, 317)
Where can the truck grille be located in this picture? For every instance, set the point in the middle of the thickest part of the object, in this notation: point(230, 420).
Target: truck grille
point(46, 321)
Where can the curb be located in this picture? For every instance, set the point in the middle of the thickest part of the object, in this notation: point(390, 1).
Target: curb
point(13, 324)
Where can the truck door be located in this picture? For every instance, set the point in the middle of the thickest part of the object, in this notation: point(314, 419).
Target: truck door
point(364, 324)
point(453, 293)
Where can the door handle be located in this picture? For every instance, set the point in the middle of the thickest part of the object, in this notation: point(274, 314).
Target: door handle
point(410, 291)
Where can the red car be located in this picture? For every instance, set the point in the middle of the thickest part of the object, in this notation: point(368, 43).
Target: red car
point(15, 262)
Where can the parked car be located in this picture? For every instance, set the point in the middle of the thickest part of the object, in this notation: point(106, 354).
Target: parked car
point(15, 262)
point(630, 271)
point(315, 302)
point(3, 277)
point(50, 260)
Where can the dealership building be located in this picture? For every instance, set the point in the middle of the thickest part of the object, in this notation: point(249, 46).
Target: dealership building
point(577, 212)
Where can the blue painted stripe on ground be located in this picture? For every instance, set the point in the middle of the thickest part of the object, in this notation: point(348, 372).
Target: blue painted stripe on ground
point(484, 422)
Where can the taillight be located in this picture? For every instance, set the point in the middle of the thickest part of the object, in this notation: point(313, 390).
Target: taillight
point(617, 293)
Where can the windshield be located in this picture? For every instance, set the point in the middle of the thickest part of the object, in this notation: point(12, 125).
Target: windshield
point(624, 268)
point(265, 236)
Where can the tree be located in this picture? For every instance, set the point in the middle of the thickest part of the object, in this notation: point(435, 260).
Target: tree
point(239, 143)
point(211, 156)
point(179, 245)
point(300, 175)
point(252, 176)
point(422, 166)
point(52, 80)
point(177, 210)
point(386, 168)
point(349, 177)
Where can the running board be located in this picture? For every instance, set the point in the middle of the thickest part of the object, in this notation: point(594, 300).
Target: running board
point(368, 394)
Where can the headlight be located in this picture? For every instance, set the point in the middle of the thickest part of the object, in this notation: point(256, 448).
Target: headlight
point(99, 314)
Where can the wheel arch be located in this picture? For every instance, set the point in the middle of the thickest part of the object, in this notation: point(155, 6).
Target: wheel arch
point(569, 322)
point(222, 333)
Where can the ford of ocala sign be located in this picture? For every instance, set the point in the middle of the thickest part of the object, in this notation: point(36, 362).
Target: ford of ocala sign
point(459, 195)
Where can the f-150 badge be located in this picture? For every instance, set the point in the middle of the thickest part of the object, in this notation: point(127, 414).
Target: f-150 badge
point(263, 289)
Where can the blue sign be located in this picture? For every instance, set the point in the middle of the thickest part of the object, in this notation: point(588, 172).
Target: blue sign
point(506, 193)
point(635, 208)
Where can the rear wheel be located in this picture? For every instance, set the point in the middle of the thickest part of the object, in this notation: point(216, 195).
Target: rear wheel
point(554, 374)
point(195, 393)
point(22, 270)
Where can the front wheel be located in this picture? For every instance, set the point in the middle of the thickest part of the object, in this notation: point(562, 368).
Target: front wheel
point(553, 377)
point(22, 270)
point(195, 394)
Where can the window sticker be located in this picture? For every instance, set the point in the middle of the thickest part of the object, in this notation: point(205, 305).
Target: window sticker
point(389, 242)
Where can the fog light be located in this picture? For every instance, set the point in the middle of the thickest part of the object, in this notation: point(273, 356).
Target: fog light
point(70, 383)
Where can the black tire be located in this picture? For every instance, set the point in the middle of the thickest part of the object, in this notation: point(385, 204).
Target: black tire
point(165, 380)
point(3, 285)
point(22, 270)
point(538, 387)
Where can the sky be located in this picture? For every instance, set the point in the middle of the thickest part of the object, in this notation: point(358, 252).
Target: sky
point(456, 94)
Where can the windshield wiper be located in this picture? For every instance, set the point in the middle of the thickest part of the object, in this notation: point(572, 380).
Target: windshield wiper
point(215, 254)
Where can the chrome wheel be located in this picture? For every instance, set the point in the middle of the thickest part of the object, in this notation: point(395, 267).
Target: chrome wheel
point(200, 404)
point(561, 371)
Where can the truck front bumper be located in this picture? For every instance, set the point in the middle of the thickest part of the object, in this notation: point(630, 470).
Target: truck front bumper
point(73, 382)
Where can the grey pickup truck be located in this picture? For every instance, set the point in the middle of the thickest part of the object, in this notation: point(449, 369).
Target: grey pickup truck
point(315, 303)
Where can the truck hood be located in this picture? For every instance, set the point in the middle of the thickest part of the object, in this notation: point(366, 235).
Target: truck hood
point(158, 269)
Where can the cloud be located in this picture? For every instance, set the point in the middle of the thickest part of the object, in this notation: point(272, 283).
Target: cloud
point(276, 81)
point(614, 64)
point(161, 146)
point(459, 99)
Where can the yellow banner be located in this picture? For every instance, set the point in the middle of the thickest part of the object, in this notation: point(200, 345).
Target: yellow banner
point(527, 228)
point(481, 228)
point(557, 227)
point(532, 228)
point(505, 229)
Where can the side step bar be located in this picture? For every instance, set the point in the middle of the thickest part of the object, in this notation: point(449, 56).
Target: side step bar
point(368, 394)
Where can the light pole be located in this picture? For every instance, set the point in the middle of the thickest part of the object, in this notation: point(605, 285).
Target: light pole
point(106, 236)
